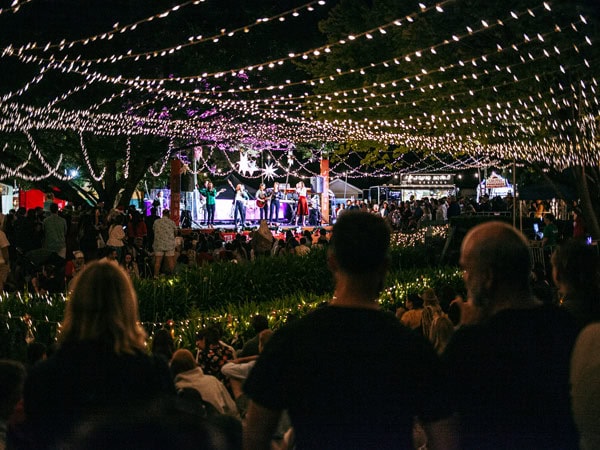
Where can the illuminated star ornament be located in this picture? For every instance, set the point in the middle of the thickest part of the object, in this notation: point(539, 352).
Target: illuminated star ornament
point(246, 165)
point(270, 171)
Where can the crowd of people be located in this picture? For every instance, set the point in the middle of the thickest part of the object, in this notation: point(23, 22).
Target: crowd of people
point(497, 369)
point(44, 250)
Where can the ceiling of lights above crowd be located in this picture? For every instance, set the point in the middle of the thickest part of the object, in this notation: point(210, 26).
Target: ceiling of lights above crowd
point(512, 81)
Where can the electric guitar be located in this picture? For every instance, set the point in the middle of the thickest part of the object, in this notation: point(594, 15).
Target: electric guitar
point(261, 202)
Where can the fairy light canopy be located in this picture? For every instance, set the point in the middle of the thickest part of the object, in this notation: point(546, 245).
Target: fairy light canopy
point(474, 82)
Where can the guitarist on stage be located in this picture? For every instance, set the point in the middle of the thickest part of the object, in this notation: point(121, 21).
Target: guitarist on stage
point(262, 201)
point(276, 197)
point(210, 194)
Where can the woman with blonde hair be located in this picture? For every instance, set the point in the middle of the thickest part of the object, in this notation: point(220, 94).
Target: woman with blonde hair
point(101, 366)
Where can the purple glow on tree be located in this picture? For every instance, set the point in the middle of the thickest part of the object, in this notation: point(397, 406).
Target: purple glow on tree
point(208, 113)
point(164, 113)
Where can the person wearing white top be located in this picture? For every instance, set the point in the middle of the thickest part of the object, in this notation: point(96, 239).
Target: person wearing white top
point(241, 197)
point(188, 375)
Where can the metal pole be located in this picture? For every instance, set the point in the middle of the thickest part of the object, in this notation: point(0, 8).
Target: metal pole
point(195, 190)
point(514, 180)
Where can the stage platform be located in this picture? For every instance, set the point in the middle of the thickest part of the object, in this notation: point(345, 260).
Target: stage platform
point(228, 230)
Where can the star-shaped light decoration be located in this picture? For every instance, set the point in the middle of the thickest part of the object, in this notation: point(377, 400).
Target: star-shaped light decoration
point(270, 171)
point(246, 165)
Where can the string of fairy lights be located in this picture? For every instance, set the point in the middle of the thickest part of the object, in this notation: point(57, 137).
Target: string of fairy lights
point(14, 7)
point(167, 51)
point(527, 128)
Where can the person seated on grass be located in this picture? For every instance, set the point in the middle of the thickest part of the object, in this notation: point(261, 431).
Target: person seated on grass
point(259, 323)
point(212, 353)
point(237, 371)
point(411, 315)
point(187, 374)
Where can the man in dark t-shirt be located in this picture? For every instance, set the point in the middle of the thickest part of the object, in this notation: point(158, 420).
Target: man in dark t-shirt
point(509, 371)
point(350, 375)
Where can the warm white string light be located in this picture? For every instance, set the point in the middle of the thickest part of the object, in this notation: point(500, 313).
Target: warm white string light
point(88, 163)
point(530, 129)
point(14, 7)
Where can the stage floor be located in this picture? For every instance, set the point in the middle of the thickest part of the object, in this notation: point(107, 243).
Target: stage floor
point(229, 230)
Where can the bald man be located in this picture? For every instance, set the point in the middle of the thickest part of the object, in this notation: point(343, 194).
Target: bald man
point(509, 371)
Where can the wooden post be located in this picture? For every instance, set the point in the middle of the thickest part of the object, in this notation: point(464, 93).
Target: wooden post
point(175, 190)
point(325, 194)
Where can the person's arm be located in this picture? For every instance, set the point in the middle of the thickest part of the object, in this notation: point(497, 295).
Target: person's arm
point(245, 359)
point(261, 423)
point(442, 434)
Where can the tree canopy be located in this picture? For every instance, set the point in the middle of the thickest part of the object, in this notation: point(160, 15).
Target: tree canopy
point(121, 86)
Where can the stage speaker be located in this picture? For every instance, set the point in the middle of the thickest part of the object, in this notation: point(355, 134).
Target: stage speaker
point(316, 185)
point(187, 182)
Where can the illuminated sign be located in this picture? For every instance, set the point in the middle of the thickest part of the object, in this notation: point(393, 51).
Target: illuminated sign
point(495, 181)
point(427, 179)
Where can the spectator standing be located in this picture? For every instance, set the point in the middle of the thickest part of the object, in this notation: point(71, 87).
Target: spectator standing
point(509, 372)
point(349, 374)
point(74, 266)
point(136, 228)
point(453, 208)
point(441, 214)
point(116, 235)
point(55, 232)
point(550, 232)
point(4, 260)
point(579, 230)
point(164, 245)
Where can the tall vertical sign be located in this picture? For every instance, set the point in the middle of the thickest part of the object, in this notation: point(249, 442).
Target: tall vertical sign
point(325, 194)
point(175, 189)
